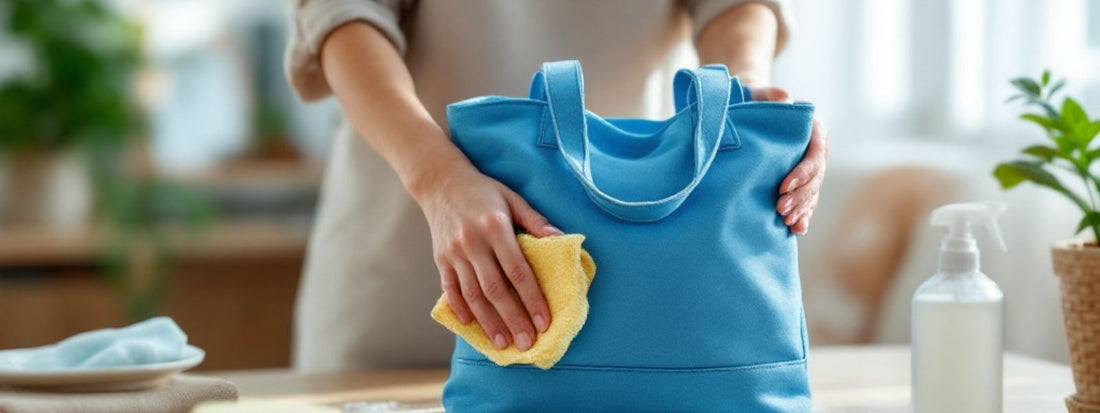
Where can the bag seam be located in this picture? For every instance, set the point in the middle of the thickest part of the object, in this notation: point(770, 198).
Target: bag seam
point(653, 370)
point(802, 332)
point(733, 136)
point(542, 132)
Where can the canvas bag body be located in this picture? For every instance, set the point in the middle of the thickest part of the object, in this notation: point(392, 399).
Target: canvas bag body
point(696, 305)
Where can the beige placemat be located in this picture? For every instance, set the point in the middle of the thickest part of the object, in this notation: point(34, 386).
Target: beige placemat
point(178, 396)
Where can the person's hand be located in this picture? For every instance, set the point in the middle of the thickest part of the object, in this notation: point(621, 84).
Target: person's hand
point(799, 190)
point(482, 270)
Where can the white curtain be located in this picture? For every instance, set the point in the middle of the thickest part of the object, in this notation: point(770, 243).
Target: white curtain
point(937, 69)
point(934, 73)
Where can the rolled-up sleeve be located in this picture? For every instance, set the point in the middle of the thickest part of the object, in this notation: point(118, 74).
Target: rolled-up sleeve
point(703, 11)
point(311, 21)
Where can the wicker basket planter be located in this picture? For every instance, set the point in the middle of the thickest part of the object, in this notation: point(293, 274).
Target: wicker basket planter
point(1078, 267)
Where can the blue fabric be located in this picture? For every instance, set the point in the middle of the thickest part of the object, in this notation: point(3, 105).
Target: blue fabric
point(156, 340)
point(696, 305)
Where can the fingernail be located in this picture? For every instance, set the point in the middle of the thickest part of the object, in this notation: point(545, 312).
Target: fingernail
point(540, 323)
point(465, 319)
point(552, 229)
point(787, 204)
point(500, 341)
point(523, 341)
point(794, 184)
point(790, 220)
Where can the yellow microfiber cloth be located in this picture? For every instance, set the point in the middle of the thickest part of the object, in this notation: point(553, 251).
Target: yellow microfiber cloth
point(564, 271)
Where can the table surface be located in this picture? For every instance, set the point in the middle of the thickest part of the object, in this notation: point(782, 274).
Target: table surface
point(844, 379)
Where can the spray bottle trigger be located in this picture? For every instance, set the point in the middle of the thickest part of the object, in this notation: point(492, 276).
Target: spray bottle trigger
point(990, 223)
point(960, 219)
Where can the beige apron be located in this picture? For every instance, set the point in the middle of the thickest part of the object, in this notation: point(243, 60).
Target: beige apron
point(369, 279)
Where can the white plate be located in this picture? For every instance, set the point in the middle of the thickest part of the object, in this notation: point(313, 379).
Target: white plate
point(103, 379)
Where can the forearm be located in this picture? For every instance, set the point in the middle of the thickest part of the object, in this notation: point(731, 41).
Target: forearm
point(378, 97)
point(745, 39)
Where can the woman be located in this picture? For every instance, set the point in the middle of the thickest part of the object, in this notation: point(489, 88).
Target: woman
point(394, 65)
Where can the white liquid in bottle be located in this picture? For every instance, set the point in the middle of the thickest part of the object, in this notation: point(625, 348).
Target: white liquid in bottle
point(957, 354)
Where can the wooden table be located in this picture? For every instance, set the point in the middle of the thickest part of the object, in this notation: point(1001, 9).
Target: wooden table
point(844, 379)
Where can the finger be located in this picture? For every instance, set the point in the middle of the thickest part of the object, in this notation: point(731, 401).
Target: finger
point(792, 219)
point(800, 213)
point(527, 218)
point(803, 224)
point(498, 291)
point(452, 289)
point(799, 227)
point(803, 196)
point(785, 205)
point(522, 278)
point(804, 213)
point(808, 207)
point(813, 162)
point(770, 94)
point(483, 310)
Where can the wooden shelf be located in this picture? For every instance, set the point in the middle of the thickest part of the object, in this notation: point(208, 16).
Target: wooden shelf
point(284, 172)
point(239, 239)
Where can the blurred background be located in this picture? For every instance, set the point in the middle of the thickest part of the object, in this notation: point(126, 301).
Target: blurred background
point(153, 160)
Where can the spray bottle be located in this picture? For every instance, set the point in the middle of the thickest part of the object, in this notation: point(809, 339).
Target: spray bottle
point(957, 320)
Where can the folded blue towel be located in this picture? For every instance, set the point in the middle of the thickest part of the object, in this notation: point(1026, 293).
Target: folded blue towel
point(156, 340)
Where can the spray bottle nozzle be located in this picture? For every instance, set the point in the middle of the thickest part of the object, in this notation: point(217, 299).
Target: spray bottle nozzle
point(961, 218)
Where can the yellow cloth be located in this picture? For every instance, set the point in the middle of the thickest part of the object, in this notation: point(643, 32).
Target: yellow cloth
point(564, 271)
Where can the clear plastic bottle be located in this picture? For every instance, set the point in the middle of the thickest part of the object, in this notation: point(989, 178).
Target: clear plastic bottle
point(957, 321)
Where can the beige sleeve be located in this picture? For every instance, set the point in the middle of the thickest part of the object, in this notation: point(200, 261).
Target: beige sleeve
point(703, 11)
point(311, 21)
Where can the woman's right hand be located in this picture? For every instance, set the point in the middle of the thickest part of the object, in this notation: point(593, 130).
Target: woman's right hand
point(482, 270)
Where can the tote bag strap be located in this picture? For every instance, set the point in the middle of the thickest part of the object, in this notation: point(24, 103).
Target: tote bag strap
point(561, 85)
point(683, 96)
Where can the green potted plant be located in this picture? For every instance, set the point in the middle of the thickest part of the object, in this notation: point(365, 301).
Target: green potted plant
point(1069, 153)
point(75, 96)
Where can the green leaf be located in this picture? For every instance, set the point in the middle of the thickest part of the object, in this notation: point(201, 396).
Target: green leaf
point(1075, 122)
point(1046, 77)
point(1085, 133)
point(1014, 98)
point(1093, 154)
point(1047, 153)
point(1072, 113)
point(1011, 174)
point(1008, 176)
point(1065, 144)
point(1045, 122)
point(1027, 86)
point(1019, 171)
point(1091, 219)
point(1056, 87)
point(1047, 107)
point(1096, 182)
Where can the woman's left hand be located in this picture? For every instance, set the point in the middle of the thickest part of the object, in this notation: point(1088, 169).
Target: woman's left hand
point(799, 190)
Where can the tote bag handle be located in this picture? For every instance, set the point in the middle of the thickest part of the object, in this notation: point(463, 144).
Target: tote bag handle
point(561, 85)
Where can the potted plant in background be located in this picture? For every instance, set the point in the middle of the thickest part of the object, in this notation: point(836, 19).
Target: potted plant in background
point(73, 98)
point(72, 123)
point(1069, 153)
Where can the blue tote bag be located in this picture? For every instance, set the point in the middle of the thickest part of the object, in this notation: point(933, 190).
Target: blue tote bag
point(697, 306)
